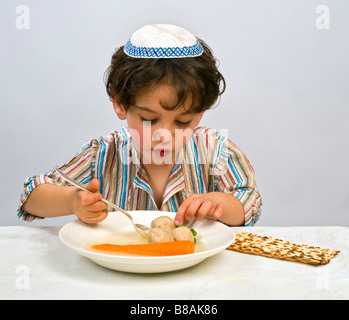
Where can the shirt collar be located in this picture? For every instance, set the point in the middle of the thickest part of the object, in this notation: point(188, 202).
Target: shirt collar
point(176, 180)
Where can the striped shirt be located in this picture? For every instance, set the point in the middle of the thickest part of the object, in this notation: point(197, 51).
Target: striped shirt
point(209, 162)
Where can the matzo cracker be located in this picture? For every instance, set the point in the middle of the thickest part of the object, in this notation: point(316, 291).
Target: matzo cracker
point(271, 247)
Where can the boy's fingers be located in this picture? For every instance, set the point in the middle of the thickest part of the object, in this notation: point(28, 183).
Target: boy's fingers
point(89, 198)
point(93, 186)
point(182, 210)
point(196, 206)
point(205, 209)
point(96, 207)
point(193, 209)
point(95, 217)
point(218, 211)
point(102, 216)
point(179, 217)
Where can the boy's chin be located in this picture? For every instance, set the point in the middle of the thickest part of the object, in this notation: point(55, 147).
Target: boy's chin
point(159, 160)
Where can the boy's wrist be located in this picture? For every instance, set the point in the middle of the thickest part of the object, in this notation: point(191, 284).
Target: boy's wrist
point(72, 200)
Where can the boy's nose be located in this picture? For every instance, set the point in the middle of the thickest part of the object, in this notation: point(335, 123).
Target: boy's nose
point(162, 135)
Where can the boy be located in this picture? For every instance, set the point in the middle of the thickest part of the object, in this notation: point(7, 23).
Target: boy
point(161, 82)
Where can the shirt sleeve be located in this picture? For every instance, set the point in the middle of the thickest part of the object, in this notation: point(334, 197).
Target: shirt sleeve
point(234, 174)
point(79, 167)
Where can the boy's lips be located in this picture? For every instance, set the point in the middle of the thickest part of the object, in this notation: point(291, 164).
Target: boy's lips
point(162, 151)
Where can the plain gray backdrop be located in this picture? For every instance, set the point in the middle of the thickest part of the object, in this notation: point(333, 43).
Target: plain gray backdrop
point(286, 104)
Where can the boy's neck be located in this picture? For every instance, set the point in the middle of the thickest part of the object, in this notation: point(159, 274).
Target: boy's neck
point(158, 178)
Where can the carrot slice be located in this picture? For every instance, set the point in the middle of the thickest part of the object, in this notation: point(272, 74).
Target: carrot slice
point(171, 248)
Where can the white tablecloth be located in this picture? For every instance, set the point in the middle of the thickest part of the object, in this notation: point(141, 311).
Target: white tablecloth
point(34, 264)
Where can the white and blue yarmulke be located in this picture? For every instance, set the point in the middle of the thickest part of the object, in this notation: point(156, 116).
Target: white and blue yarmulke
point(163, 41)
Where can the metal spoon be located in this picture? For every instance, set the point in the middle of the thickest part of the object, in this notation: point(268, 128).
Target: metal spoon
point(140, 228)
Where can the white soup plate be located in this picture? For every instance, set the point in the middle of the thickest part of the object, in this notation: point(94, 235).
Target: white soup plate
point(212, 236)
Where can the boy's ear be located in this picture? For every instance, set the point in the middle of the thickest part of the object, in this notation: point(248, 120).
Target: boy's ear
point(200, 117)
point(119, 110)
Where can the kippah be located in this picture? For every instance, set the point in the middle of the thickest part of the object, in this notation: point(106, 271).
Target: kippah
point(163, 41)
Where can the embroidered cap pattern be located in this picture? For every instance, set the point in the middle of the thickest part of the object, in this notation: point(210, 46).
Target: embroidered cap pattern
point(159, 52)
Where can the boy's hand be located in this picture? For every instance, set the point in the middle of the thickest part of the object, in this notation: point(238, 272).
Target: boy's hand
point(88, 207)
point(197, 205)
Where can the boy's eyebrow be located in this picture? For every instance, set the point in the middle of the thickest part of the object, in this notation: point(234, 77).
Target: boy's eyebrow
point(145, 109)
point(152, 111)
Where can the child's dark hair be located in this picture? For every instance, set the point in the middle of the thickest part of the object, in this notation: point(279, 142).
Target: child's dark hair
point(196, 78)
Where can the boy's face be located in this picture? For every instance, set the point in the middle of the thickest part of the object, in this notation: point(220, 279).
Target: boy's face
point(158, 134)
